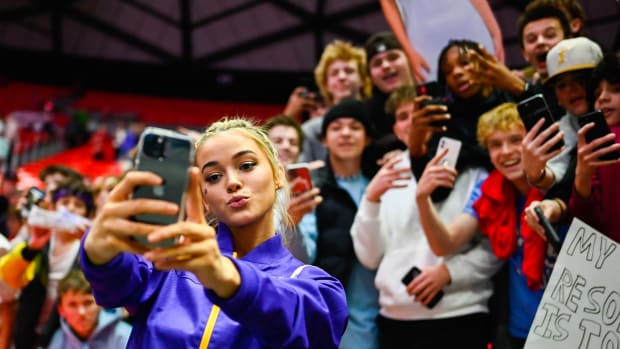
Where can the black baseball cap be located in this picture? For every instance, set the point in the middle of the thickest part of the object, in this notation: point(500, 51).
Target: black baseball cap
point(380, 42)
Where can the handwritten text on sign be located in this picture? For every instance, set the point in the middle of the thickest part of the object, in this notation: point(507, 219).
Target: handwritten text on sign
point(581, 304)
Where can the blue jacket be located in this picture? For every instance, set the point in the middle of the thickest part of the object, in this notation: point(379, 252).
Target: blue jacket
point(272, 308)
point(111, 333)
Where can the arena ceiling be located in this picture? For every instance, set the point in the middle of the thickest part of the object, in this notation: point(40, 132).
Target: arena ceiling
point(225, 49)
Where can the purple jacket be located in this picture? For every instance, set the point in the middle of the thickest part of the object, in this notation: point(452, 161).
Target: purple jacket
point(272, 308)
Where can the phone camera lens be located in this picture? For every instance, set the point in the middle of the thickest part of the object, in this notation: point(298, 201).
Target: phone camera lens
point(154, 146)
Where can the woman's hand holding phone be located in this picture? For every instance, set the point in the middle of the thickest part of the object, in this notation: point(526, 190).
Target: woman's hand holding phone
point(113, 229)
point(197, 250)
point(193, 235)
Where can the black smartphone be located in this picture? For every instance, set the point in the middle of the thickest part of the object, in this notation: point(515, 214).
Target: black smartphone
point(599, 130)
point(436, 101)
point(533, 109)
point(550, 233)
point(299, 178)
point(169, 154)
point(431, 88)
point(412, 274)
point(34, 196)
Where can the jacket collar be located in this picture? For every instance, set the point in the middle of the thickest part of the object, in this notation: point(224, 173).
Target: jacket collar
point(270, 251)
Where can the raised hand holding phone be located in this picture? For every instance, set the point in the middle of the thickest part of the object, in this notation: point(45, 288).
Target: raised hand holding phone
point(436, 174)
point(599, 130)
point(169, 154)
point(533, 109)
point(590, 157)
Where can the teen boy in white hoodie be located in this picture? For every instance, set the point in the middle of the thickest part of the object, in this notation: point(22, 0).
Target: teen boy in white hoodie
point(387, 235)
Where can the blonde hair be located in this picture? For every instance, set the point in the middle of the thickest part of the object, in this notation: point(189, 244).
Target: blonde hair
point(504, 117)
point(258, 134)
point(343, 50)
point(406, 93)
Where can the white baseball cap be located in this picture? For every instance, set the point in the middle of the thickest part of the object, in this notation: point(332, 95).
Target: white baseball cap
point(571, 55)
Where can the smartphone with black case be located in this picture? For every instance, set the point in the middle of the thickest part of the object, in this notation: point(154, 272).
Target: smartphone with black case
point(550, 233)
point(436, 101)
point(168, 154)
point(431, 88)
point(533, 109)
point(599, 130)
point(412, 274)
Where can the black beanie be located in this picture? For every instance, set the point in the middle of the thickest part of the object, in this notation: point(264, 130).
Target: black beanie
point(348, 108)
point(380, 42)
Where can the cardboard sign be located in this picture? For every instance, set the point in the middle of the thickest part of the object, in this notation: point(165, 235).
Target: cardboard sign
point(581, 304)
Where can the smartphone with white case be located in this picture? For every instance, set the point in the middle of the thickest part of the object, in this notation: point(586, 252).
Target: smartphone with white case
point(454, 148)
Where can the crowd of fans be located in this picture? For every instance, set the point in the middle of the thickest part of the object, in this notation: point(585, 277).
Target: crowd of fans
point(381, 200)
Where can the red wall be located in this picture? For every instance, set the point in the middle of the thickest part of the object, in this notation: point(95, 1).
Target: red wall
point(152, 110)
